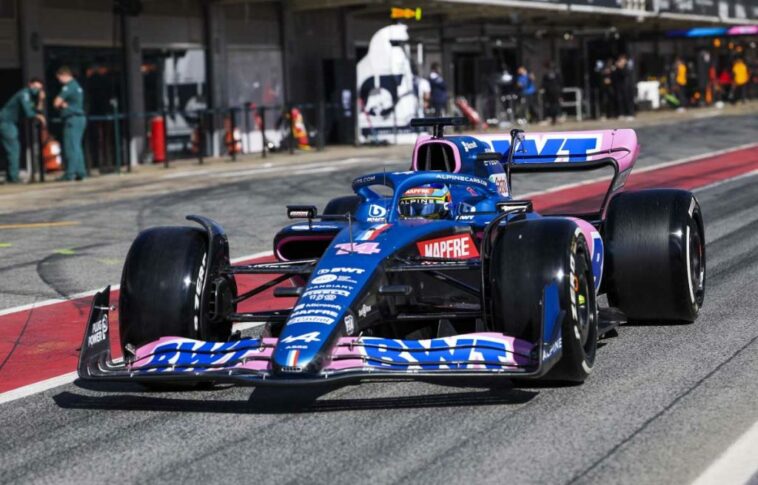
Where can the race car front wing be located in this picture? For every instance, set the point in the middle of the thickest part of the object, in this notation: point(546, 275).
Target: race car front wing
point(249, 360)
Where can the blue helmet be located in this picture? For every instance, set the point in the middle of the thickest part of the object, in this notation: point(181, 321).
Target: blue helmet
point(425, 202)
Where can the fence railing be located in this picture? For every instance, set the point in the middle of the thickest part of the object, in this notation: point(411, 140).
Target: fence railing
point(109, 144)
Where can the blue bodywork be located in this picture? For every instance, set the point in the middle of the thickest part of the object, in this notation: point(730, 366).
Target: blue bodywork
point(354, 257)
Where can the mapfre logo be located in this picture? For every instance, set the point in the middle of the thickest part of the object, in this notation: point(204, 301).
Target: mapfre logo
point(460, 246)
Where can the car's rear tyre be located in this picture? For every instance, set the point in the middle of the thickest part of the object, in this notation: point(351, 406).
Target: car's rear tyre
point(342, 205)
point(655, 263)
point(163, 289)
point(526, 257)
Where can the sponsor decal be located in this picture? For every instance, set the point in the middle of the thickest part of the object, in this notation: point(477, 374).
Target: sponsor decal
point(311, 319)
point(349, 324)
point(327, 278)
point(550, 149)
point(99, 331)
point(306, 337)
point(186, 353)
point(377, 211)
point(436, 353)
point(342, 270)
point(358, 248)
point(364, 180)
point(466, 217)
point(548, 353)
point(373, 232)
point(363, 311)
point(597, 257)
point(501, 182)
point(468, 146)
point(419, 191)
point(306, 227)
point(322, 305)
point(326, 291)
point(314, 311)
point(461, 178)
point(459, 246)
point(331, 286)
point(199, 283)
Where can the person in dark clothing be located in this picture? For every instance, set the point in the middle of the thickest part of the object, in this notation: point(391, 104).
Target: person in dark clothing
point(70, 103)
point(438, 95)
point(27, 103)
point(703, 75)
point(623, 87)
point(607, 94)
point(552, 84)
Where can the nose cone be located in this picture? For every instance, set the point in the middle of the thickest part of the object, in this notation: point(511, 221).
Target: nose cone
point(299, 348)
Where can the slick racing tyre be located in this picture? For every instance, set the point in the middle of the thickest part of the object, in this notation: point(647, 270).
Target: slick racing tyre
point(342, 205)
point(526, 257)
point(655, 263)
point(163, 289)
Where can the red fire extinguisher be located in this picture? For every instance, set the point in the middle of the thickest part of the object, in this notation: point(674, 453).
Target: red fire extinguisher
point(158, 139)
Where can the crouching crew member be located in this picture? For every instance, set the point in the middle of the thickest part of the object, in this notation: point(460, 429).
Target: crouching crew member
point(27, 103)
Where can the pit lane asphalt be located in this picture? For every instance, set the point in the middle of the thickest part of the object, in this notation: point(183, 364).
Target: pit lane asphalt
point(662, 403)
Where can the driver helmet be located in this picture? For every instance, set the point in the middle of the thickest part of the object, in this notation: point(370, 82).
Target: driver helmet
point(425, 202)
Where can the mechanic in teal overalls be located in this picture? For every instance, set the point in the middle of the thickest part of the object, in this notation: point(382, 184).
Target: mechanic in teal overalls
point(70, 102)
point(27, 103)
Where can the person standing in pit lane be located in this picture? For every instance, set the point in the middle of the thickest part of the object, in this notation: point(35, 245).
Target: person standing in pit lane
point(438, 91)
point(26, 103)
point(528, 92)
point(679, 78)
point(552, 84)
point(741, 78)
point(70, 102)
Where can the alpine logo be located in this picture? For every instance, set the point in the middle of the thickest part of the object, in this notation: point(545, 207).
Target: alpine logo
point(460, 246)
point(306, 337)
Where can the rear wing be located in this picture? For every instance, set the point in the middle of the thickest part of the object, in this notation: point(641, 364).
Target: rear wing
point(570, 151)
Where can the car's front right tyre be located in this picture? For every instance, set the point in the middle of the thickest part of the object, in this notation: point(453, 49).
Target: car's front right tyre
point(526, 257)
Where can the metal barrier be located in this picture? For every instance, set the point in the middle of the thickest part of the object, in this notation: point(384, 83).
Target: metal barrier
point(576, 104)
point(239, 130)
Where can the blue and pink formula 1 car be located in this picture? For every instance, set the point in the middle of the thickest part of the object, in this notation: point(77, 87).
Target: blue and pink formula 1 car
point(436, 271)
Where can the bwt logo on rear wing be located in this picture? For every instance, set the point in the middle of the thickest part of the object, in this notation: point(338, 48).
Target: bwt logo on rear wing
point(549, 147)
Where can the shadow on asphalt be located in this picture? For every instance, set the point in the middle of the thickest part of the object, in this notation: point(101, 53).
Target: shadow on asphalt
point(278, 400)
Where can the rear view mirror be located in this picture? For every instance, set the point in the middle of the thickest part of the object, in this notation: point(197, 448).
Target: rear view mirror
point(302, 211)
point(486, 156)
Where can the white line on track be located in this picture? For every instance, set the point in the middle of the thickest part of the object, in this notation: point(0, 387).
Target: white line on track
point(737, 464)
point(288, 169)
point(61, 380)
point(722, 182)
point(70, 377)
point(649, 168)
point(315, 170)
point(84, 294)
point(37, 387)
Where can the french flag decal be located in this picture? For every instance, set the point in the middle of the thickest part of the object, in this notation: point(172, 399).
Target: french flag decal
point(373, 232)
point(292, 358)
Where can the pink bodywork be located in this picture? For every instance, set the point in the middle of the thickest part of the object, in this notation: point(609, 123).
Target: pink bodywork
point(625, 139)
point(347, 355)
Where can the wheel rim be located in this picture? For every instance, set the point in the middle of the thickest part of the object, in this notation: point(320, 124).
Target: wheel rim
point(697, 264)
point(583, 307)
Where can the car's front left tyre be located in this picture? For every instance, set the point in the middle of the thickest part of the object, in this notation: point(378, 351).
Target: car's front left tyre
point(164, 290)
